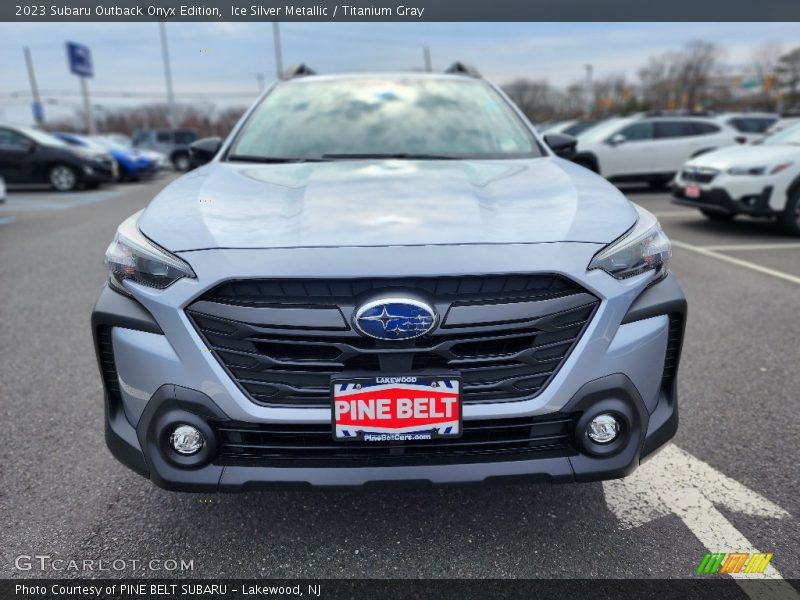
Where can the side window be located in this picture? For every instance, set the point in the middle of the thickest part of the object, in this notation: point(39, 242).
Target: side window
point(703, 128)
point(751, 124)
point(11, 140)
point(673, 129)
point(638, 131)
point(163, 136)
point(184, 137)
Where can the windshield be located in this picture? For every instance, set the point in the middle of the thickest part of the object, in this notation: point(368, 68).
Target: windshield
point(403, 118)
point(605, 129)
point(790, 135)
point(41, 137)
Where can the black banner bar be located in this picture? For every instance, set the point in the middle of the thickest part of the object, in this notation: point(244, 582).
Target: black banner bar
point(702, 588)
point(399, 10)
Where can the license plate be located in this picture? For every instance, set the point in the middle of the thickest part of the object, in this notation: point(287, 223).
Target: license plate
point(396, 409)
point(692, 191)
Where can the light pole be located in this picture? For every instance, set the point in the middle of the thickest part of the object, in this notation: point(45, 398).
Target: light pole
point(588, 108)
point(38, 109)
point(276, 38)
point(168, 75)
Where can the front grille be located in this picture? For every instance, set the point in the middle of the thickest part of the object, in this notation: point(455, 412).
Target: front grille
point(282, 341)
point(699, 175)
point(312, 445)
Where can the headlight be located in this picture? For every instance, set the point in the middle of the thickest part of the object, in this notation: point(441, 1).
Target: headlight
point(759, 170)
point(133, 257)
point(747, 170)
point(643, 248)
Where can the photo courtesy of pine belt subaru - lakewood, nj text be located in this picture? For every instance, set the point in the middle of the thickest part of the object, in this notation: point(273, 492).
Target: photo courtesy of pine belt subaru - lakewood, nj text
point(387, 278)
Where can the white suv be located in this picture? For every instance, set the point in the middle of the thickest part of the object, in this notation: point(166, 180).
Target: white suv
point(761, 180)
point(650, 149)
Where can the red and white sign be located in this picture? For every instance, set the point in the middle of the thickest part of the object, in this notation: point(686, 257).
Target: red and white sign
point(396, 409)
point(692, 191)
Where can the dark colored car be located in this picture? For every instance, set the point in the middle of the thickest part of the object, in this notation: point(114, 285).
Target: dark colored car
point(32, 156)
point(172, 142)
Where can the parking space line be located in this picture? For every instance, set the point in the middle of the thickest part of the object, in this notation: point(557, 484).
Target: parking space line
point(5, 220)
point(735, 247)
point(737, 261)
point(27, 203)
point(676, 482)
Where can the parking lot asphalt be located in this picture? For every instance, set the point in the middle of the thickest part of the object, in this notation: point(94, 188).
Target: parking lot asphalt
point(63, 495)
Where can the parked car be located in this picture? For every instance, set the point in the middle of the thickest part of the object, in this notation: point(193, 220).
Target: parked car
point(134, 164)
point(573, 127)
point(751, 126)
point(760, 180)
point(649, 149)
point(130, 165)
point(783, 123)
point(173, 143)
point(403, 282)
point(33, 156)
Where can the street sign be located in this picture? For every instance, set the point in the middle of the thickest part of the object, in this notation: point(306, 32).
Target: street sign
point(80, 59)
point(38, 111)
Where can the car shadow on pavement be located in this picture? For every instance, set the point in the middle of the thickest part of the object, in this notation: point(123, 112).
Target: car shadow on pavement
point(514, 530)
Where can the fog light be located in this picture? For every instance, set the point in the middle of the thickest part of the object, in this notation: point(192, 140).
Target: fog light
point(186, 440)
point(603, 429)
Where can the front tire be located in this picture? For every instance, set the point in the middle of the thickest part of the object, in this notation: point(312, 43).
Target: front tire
point(181, 162)
point(790, 218)
point(62, 178)
point(716, 216)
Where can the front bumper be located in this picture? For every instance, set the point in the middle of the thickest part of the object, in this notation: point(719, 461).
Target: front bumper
point(755, 203)
point(625, 363)
point(99, 172)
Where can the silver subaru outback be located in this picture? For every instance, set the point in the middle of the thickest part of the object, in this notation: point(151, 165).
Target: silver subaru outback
point(387, 278)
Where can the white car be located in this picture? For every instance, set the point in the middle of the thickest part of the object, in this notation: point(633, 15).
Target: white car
point(650, 149)
point(761, 180)
point(752, 126)
point(573, 127)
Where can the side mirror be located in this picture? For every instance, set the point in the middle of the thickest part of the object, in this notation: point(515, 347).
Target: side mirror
point(617, 139)
point(203, 150)
point(563, 145)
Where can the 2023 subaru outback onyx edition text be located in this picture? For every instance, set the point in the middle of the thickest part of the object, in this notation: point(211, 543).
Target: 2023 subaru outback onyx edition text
point(387, 278)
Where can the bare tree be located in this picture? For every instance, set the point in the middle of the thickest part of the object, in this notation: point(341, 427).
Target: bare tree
point(679, 79)
point(788, 72)
point(763, 63)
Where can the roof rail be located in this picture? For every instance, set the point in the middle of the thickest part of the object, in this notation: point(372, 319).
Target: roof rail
point(462, 68)
point(298, 70)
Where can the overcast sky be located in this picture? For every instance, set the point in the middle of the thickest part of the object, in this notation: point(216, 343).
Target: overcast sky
point(223, 59)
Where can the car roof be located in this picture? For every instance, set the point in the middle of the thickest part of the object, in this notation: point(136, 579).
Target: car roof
point(388, 75)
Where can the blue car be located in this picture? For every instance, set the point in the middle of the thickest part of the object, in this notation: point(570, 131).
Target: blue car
point(132, 165)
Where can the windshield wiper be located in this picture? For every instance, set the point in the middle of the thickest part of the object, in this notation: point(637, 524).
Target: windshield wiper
point(406, 155)
point(271, 159)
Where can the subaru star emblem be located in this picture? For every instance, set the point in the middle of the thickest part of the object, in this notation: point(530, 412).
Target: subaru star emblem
point(395, 319)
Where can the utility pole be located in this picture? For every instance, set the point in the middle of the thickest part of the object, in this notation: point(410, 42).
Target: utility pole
point(38, 108)
point(87, 106)
point(588, 109)
point(426, 51)
point(276, 37)
point(173, 120)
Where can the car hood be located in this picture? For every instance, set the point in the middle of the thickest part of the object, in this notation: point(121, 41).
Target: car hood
point(756, 155)
point(386, 203)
